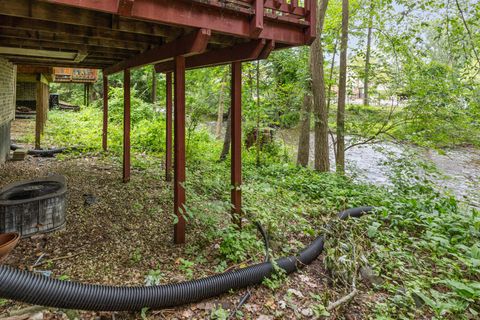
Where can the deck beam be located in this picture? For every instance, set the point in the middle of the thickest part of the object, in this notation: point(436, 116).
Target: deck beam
point(195, 14)
point(242, 52)
point(256, 25)
point(195, 42)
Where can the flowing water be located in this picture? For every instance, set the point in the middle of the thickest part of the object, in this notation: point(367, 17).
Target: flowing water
point(459, 169)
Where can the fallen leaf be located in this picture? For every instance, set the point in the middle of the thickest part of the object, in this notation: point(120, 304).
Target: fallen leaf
point(296, 293)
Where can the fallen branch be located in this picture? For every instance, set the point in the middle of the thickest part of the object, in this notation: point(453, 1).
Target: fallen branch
point(343, 300)
point(22, 317)
point(23, 313)
point(57, 259)
point(238, 265)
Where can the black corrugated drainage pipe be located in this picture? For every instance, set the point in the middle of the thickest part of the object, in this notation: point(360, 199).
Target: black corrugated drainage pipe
point(40, 152)
point(35, 289)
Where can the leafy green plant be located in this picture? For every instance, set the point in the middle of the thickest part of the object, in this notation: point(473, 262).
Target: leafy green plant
point(154, 278)
point(186, 267)
point(64, 277)
point(421, 242)
point(237, 245)
point(276, 279)
point(136, 256)
point(219, 313)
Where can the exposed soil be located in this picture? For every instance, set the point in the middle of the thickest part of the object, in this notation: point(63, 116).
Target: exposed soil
point(116, 233)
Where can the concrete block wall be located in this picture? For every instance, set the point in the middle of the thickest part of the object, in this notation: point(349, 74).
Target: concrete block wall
point(7, 105)
point(26, 91)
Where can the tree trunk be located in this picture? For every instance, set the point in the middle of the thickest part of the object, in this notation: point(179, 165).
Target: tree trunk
point(342, 91)
point(226, 141)
point(218, 129)
point(330, 77)
point(259, 135)
point(304, 141)
point(154, 86)
point(367, 57)
point(322, 162)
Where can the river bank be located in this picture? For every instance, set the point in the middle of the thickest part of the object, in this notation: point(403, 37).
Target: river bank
point(454, 170)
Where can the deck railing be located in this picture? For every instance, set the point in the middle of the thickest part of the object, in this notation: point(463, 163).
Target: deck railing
point(80, 75)
point(302, 13)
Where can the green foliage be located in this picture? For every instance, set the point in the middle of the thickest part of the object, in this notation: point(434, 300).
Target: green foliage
point(276, 279)
point(219, 313)
point(237, 245)
point(69, 92)
point(136, 256)
point(140, 110)
point(154, 278)
point(438, 107)
point(186, 267)
point(422, 244)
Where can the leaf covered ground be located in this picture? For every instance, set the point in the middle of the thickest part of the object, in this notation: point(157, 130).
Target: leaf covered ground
point(417, 257)
point(125, 238)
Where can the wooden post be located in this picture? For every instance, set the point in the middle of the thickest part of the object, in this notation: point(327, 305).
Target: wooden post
point(38, 115)
point(105, 113)
point(85, 94)
point(168, 147)
point(87, 86)
point(126, 125)
point(236, 144)
point(179, 149)
point(91, 93)
point(41, 110)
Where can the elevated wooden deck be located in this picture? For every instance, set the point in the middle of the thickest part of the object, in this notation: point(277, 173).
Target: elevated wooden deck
point(174, 35)
point(101, 34)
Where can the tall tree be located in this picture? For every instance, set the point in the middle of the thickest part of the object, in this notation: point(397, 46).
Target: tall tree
point(342, 90)
point(303, 154)
point(154, 86)
point(322, 162)
point(227, 139)
point(218, 129)
point(330, 77)
point(367, 56)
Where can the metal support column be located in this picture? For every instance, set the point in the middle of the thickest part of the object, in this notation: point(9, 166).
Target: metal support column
point(179, 149)
point(169, 116)
point(126, 125)
point(236, 144)
point(105, 113)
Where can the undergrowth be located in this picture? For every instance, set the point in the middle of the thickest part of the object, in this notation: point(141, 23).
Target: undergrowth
point(421, 245)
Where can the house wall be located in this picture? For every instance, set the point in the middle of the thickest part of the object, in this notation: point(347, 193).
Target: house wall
point(7, 105)
point(26, 94)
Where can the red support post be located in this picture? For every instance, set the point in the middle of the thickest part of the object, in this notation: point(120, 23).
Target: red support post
point(105, 113)
point(168, 147)
point(126, 125)
point(236, 145)
point(179, 149)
